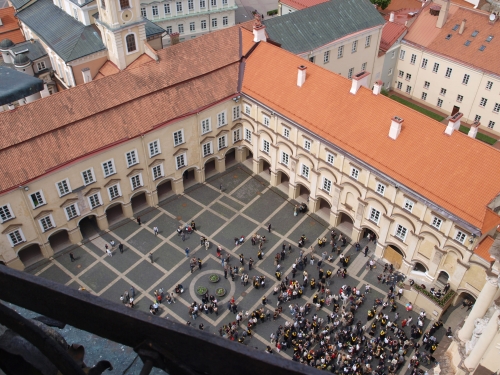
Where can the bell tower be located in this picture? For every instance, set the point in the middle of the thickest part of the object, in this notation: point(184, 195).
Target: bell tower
point(122, 29)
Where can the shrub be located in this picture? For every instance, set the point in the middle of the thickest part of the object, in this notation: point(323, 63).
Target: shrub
point(272, 12)
point(439, 301)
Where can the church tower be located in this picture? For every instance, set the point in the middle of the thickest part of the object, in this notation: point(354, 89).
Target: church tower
point(122, 29)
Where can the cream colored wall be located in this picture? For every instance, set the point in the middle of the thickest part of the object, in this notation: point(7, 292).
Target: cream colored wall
point(93, 65)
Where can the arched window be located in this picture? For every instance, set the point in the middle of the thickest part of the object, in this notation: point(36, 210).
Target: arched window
point(124, 4)
point(103, 3)
point(130, 40)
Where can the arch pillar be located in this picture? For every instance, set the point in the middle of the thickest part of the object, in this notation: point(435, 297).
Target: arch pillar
point(154, 196)
point(334, 217)
point(436, 261)
point(356, 233)
point(15, 263)
point(127, 209)
point(75, 235)
point(102, 221)
point(149, 199)
point(293, 191)
point(199, 174)
point(256, 166)
point(240, 155)
point(379, 250)
point(406, 267)
point(274, 177)
point(313, 204)
point(178, 186)
point(46, 250)
point(220, 165)
point(457, 276)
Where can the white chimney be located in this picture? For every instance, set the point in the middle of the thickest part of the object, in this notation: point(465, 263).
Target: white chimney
point(360, 79)
point(259, 33)
point(473, 129)
point(453, 123)
point(87, 77)
point(1, 23)
point(396, 123)
point(391, 17)
point(443, 13)
point(301, 76)
point(11, 106)
point(462, 27)
point(377, 87)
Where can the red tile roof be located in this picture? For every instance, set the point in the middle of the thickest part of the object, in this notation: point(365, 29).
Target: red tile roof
point(482, 250)
point(107, 69)
point(490, 221)
point(10, 28)
point(141, 60)
point(390, 33)
point(302, 4)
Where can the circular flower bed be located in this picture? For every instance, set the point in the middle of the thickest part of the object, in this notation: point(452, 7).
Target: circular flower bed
point(220, 292)
point(201, 290)
point(214, 278)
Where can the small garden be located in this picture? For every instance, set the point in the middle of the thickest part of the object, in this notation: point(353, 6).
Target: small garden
point(439, 301)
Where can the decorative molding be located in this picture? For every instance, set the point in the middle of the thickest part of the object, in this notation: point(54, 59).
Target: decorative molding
point(42, 214)
point(135, 171)
point(112, 182)
point(68, 201)
point(92, 191)
point(11, 228)
point(156, 162)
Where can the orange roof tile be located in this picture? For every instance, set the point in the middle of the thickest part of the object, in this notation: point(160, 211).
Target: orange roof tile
point(482, 249)
point(459, 180)
point(107, 69)
point(396, 5)
point(302, 4)
point(390, 33)
point(490, 221)
point(10, 27)
point(141, 60)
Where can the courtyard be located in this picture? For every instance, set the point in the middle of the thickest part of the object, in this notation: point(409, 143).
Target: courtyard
point(244, 206)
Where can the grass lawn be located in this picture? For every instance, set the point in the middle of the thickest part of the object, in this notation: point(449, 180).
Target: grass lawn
point(480, 136)
point(426, 112)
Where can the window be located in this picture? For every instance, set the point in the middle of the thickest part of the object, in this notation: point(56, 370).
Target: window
point(178, 137)
point(460, 236)
point(40, 65)
point(213, 3)
point(460, 98)
point(354, 46)
point(191, 26)
point(103, 4)
point(284, 158)
point(236, 135)
point(190, 4)
point(154, 8)
point(143, 12)
point(63, 187)
point(436, 222)
point(424, 63)
point(203, 24)
point(169, 30)
point(326, 57)
point(426, 84)
point(5, 213)
point(131, 157)
point(236, 113)
point(202, 4)
point(286, 132)
point(71, 211)
point(154, 148)
point(327, 185)
point(180, 162)
point(489, 85)
point(205, 126)
point(354, 173)
point(108, 168)
point(114, 192)
point(330, 158)
point(221, 119)
point(224, 2)
point(178, 5)
point(124, 4)
point(483, 102)
point(248, 135)
point(435, 68)
point(390, 72)
point(304, 171)
point(37, 199)
point(375, 215)
point(225, 21)
point(363, 66)
point(307, 144)
point(491, 124)
point(496, 108)
point(95, 200)
point(248, 109)
point(402, 54)
point(88, 176)
point(136, 181)
point(442, 92)
point(207, 149)
point(340, 52)
point(424, 96)
point(181, 28)
point(465, 80)
point(222, 142)
point(408, 205)
point(266, 120)
point(477, 118)
point(265, 146)
point(399, 85)
point(408, 76)
point(16, 237)
point(401, 74)
point(440, 103)
point(214, 22)
point(380, 188)
point(75, 13)
point(448, 72)
point(408, 89)
point(401, 232)
point(166, 8)
point(130, 41)
point(350, 73)
point(157, 171)
point(413, 59)
point(368, 40)
point(311, 58)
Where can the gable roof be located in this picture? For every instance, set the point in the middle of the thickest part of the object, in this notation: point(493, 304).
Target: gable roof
point(302, 4)
point(482, 250)
point(390, 33)
point(35, 49)
point(68, 38)
point(152, 28)
point(19, 3)
point(459, 180)
point(15, 85)
point(316, 26)
point(10, 27)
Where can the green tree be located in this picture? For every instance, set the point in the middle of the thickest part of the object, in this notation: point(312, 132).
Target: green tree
point(381, 3)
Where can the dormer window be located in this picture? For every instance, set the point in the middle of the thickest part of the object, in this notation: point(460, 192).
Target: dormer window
point(124, 4)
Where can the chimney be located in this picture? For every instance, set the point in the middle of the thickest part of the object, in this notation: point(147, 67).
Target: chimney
point(301, 76)
point(174, 38)
point(443, 14)
point(259, 33)
point(391, 17)
point(11, 106)
point(396, 123)
point(377, 87)
point(462, 27)
point(360, 79)
point(453, 123)
point(473, 129)
point(1, 23)
point(87, 76)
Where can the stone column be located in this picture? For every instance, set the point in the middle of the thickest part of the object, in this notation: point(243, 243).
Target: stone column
point(178, 186)
point(75, 235)
point(220, 165)
point(484, 341)
point(127, 210)
point(482, 304)
point(274, 178)
point(102, 222)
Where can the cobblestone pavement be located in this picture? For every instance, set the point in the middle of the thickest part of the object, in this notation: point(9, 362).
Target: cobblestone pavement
point(243, 208)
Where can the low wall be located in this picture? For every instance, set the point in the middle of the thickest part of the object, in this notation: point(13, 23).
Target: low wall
point(421, 301)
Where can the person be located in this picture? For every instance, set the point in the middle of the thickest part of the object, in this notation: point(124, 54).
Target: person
point(250, 264)
point(199, 263)
point(183, 236)
point(71, 257)
point(187, 252)
point(120, 247)
point(207, 245)
point(269, 227)
point(220, 188)
point(366, 251)
point(259, 254)
point(138, 220)
point(193, 225)
point(155, 230)
point(151, 257)
point(112, 243)
point(109, 252)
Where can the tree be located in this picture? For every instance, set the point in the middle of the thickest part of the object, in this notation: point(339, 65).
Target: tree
point(381, 3)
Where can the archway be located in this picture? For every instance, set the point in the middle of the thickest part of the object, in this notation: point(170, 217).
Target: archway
point(345, 224)
point(30, 255)
point(264, 166)
point(419, 267)
point(394, 255)
point(189, 178)
point(247, 157)
point(443, 277)
point(115, 214)
point(59, 241)
point(302, 193)
point(283, 182)
point(210, 168)
point(324, 209)
point(230, 158)
point(88, 227)
point(139, 202)
point(462, 296)
point(369, 234)
point(164, 190)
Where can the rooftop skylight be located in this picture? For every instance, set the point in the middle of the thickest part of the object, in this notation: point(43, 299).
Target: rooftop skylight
point(482, 47)
point(474, 34)
point(448, 37)
point(488, 39)
point(455, 28)
point(467, 43)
